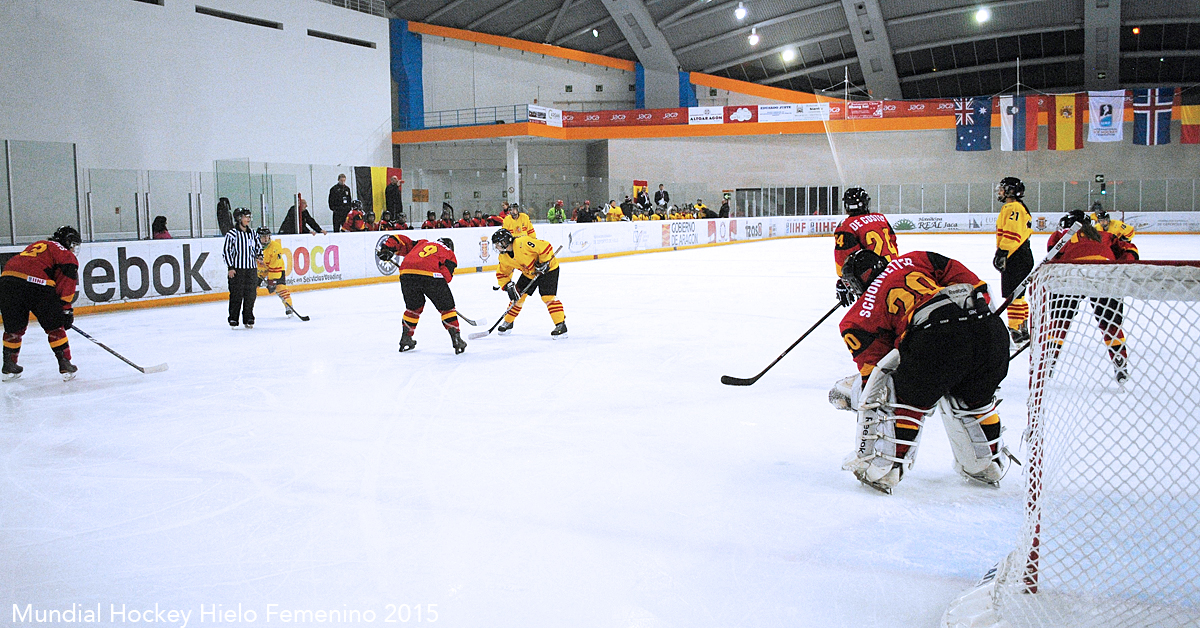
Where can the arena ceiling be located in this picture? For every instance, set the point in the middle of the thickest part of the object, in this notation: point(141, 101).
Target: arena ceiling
point(936, 48)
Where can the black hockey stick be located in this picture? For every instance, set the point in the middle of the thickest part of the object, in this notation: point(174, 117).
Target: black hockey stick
point(737, 381)
point(1018, 352)
point(158, 368)
point(298, 314)
point(465, 319)
point(528, 291)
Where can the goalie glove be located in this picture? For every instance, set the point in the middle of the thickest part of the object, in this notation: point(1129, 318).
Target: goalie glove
point(1000, 260)
point(845, 299)
point(511, 289)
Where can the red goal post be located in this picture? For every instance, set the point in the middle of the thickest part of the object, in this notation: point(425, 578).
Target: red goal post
point(1111, 532)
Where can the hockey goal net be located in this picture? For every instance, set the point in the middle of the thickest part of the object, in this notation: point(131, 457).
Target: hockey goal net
point(1111, 536)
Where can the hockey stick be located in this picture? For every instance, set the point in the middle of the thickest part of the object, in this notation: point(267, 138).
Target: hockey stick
point(465, 319)
point(158, 368)
point(1019, 291)
point(737, 381)
point(298, 314)
point(1018, 352)
point(528, 291)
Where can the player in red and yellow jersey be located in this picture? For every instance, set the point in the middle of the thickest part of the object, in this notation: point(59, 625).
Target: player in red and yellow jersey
point(40, 280)
point(426, 271)
point(271, 267)
point(931, 314)
point(536, 261)
point(1104, 222)
point(862, 229)
point(1014, 257)
point(1090, 245)
point(517, 222)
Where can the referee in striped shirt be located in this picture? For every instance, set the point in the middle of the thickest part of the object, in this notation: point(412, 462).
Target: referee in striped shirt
point(242, 250)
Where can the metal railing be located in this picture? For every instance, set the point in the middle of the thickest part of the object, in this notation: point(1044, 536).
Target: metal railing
point(505, 114)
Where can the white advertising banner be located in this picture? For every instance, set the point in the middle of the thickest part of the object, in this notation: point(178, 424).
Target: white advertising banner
point(545, 115)
point(812, 112)
point(115, 272)
point(777, 113)
point(706, 115)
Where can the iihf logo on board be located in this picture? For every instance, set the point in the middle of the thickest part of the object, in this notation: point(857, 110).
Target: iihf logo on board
point(385, 268)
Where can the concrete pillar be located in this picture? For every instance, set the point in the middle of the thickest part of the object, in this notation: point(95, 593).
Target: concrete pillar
point(512, 174)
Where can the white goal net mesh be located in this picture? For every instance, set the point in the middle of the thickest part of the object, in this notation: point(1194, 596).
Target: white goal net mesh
point(1112, 523)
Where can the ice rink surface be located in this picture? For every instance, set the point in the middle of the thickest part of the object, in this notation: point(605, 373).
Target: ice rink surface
point(604, 480)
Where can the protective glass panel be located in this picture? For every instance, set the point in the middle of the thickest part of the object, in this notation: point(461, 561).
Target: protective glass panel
point(169, 195)
point(112, 204)
point(44, 194)
point(5, 209)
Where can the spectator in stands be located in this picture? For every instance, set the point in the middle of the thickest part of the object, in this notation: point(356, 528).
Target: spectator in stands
point(392, 200)
point(158, 229)
point(557, 213)
point(584, 213)
point(307, 222)
point(724, 213)
point(339, 202)
point(662, 198)
point(431, 221)
point(466, 220)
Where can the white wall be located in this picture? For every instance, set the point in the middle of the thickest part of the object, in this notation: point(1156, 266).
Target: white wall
point(465, 75)
point(137, 85)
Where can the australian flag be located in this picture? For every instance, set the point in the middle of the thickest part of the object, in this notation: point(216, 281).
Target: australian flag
point(1152, 115)
point(973, 122)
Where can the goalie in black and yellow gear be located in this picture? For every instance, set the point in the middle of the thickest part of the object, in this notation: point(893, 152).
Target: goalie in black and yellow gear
point(271, 269)
point(536, 261)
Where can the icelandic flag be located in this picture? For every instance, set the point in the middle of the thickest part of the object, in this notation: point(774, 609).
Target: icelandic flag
point(973, 123)
point(1152, 115)
point(1018, 123)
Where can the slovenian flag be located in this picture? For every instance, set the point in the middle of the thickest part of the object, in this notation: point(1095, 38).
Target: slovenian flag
point(1018, 123)
point(1152, 115)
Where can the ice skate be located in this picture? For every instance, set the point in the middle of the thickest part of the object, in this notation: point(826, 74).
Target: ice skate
point(560, 331)
point(67, 369)
point(11, 371)
point(406, 342)
point(457, 342)
point(505, 328)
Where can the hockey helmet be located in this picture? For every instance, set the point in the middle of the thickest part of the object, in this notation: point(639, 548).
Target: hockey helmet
point(431, 215)
point(514, 208)
point(502, 239)
point(262, 232)
point(356, 204)
point(1074, 216)
point(239, 212)
point(856, 201)
point(1010, 187)
point(67, 236)
point(860, 269)
point(369, 216)
point(1098, 210)
point(447, 242)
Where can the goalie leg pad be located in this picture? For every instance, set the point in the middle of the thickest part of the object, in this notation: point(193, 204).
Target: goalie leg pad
point(881, 457)
point(975, 439)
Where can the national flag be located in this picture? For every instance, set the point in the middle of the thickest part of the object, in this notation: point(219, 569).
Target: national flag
point(1152, 115)
point(1064, 119)
point(370, 183)
point(1106, 116)
point(639, 186)
point(1189, 114)
point(1018, 123)
point(973, 123)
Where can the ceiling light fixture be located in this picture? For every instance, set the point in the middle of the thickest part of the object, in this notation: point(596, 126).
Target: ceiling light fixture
point(753, 36)
point(595, 33)
point(789, 55)
point(740, 12)
point(1137, 31)
point(983, 14)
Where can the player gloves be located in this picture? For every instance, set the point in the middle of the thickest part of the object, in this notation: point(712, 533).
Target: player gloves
point(68, 317)
point(845, 299)
point(511, 289)
point(1001, 260)
point(542, 268)
point(385, 254)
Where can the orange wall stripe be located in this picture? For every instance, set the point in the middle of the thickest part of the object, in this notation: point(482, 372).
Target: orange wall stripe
point(520, 44)
point(751, 89)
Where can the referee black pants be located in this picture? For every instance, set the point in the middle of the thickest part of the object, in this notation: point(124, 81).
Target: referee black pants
point(242, 292)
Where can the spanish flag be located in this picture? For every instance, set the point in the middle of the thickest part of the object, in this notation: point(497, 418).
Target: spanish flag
point(1189, 114)
point(1064, 118)
point(370, 182)
point(639, 187)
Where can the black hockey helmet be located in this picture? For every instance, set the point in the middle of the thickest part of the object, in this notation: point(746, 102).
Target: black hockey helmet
point(356, 204)
point(1098, 210)
point(861, 268)
point(856, 201)
point(67, 236)
point(514, 207)
point(239, 212)
point(1074, 216)
point(447, 242)
point(369, 216)
point(1010, 186)
point(502, 239)
point(263, 231)
point(387, 215)
point(431, 215)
